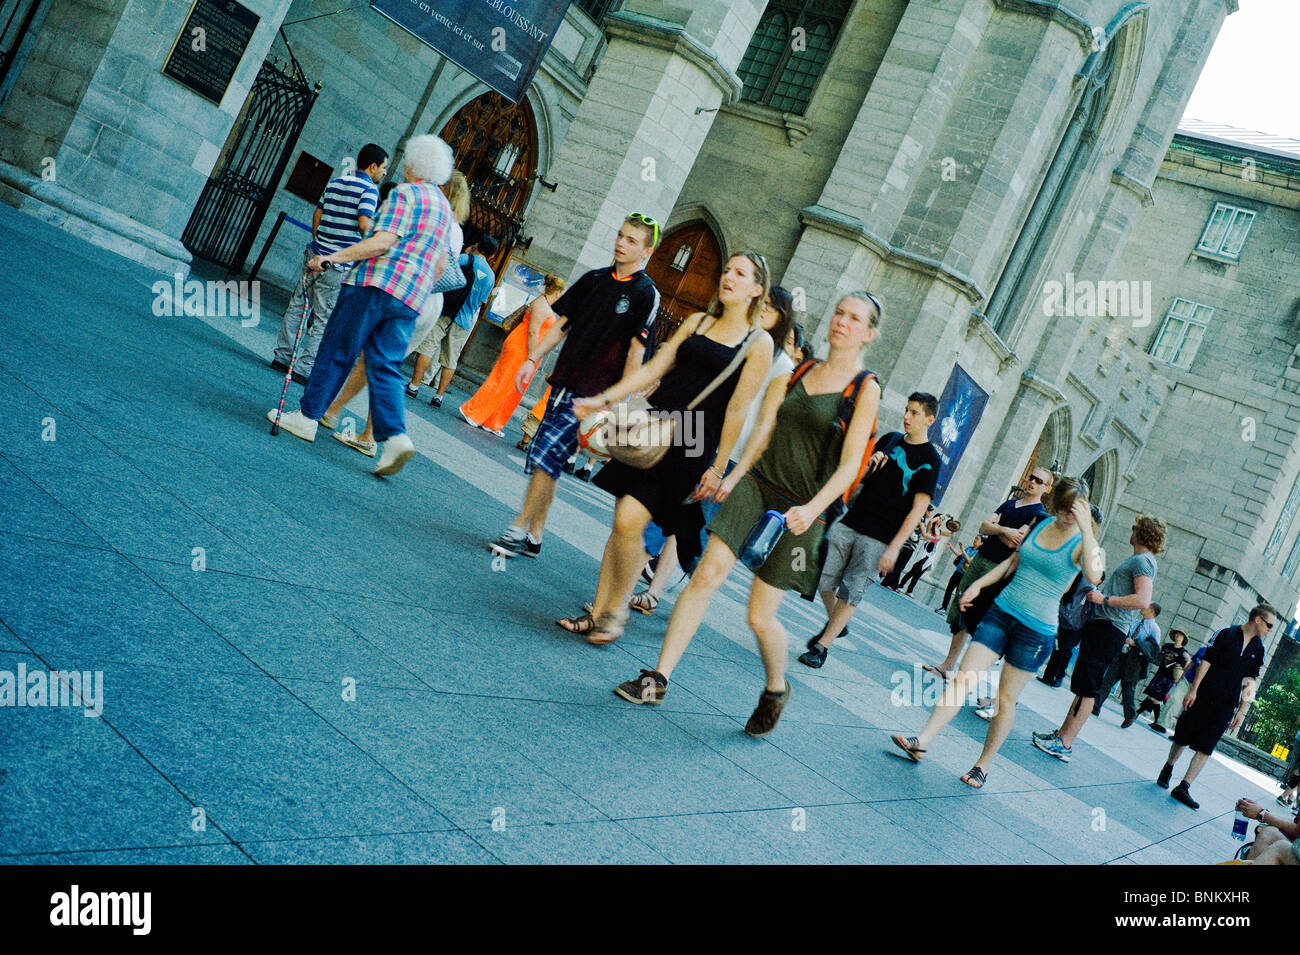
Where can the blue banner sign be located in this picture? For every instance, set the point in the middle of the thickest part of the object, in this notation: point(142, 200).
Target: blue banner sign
point(501, 42)
point(960, 407)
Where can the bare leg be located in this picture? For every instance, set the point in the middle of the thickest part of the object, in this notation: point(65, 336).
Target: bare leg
point(764, 601)
point(839, 619)
point(444, 379)
point(351, 388)
point(949, 663)
point(665, 569)
point(1009, 687)
point(623, 559)
point(978, 659)
point(1174, 752)
point(1079, 714)
point(688, 612)
point(537, 504)
point(422, 364)
point(1198, 763)
point(1266, 837)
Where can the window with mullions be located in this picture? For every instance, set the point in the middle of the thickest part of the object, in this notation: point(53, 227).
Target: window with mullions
point(1283, 525)
point(1226, 231)
point(788, 52)
point(1292, 561)
point(1181, 333)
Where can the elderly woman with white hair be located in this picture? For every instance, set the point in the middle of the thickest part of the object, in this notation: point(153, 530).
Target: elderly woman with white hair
point(398, 264)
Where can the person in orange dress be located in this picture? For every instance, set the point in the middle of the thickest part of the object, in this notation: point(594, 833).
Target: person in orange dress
point(496, 399)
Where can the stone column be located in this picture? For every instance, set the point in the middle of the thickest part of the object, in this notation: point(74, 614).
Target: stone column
point(637, 132)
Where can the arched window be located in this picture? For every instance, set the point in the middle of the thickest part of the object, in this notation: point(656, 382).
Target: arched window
point(789, 50)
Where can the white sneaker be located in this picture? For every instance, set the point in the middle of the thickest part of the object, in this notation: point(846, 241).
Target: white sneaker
point(296, 423)
point(330, 421)
point(397, 451)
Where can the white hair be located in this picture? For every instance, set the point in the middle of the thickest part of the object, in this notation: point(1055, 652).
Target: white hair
point(428, 157)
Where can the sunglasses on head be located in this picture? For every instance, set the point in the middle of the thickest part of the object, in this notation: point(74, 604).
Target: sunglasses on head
point(646, 220)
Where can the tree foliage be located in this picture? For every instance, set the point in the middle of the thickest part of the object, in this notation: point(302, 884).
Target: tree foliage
point(1276, 711)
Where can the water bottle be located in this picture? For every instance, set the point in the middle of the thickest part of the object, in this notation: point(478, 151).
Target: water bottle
point(762, 539)
point(1239, 824)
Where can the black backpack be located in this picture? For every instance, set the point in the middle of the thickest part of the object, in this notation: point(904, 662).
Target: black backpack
point(454, 300)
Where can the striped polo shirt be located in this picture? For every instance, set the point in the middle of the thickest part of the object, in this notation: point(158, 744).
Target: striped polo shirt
point(420, 216)
point(343, 201)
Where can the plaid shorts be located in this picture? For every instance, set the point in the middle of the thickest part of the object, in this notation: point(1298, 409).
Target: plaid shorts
point(556, 439)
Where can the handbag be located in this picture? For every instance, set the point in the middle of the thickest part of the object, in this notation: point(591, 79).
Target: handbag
point(512, 321)
point(452, 278)
point(636, 435)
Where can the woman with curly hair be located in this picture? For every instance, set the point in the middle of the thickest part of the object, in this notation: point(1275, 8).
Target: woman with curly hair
point(1119, 605)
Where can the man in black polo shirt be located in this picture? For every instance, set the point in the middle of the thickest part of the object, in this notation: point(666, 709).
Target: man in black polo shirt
point(605, 321)
point(1218, 700)
point(1003, 533)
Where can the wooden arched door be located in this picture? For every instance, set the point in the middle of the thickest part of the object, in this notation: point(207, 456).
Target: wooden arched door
point(495, 143)
point(685, 269)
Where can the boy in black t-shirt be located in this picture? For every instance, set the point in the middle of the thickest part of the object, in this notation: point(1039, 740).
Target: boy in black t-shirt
point(864, 546)
point(605, 322)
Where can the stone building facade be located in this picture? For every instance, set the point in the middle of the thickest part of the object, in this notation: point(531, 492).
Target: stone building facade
point(999, 171)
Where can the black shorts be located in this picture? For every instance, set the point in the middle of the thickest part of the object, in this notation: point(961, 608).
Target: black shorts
point(1202, 726)
point(1100, 644)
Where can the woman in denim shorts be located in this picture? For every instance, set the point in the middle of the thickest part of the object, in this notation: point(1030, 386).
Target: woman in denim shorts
point(1020, 627)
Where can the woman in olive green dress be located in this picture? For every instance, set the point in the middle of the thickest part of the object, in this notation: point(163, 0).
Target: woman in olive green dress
point(798, 462)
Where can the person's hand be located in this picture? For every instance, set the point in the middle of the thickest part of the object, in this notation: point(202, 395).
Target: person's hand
point(1245, 807)
point(1082, 515)
point(799, 519)
point(725, 488)
point(317, 263)
point(876, 461)
point(968, 598)
point(1236, 720)
point(1013, 536)
point(525, 375)
point(1130, 642)
point(1189, 700)
point(887, 561)
point(584, 407)
point(1094, 597)
point(707, 489)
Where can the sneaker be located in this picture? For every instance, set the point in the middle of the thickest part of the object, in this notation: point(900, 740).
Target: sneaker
point(1282, 802)
point(531, 549)
point(649, 687)
point(412, 391)
point(397, 451)
point(814, 656)
point(987, 712)
point(330, 421)
point(764, 718)
point(368, 448)
point(1046, 736)
point(436, 400)
point(1183, 793)
point(818, 635)
point(500, 433)
point(295, 423)
point(1054, 747)
point(508, 545)
point(1166, 773)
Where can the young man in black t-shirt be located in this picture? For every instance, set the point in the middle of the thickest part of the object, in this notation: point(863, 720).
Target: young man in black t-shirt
point(605, 321)
point(864, 546)
point(1003, 533)
point(1218, 700)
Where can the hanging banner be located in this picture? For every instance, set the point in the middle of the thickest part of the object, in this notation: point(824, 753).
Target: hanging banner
point(501, 42)
point(960, 407)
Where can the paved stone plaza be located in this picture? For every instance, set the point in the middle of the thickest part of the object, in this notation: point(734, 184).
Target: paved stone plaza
point(479, 731)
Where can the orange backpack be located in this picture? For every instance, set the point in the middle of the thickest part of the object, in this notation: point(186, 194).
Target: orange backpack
point(843, 415)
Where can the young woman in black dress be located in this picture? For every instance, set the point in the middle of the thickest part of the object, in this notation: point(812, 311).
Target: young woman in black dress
point(684, 366)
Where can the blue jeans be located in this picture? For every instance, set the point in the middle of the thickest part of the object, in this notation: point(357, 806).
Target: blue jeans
point(1010, 639)
point(369, 320)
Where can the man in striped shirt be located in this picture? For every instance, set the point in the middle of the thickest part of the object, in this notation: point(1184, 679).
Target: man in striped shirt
point(343, 217)
point(398, 264)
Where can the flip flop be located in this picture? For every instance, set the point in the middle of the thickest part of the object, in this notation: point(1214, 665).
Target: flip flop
point(908, 745)
point(974, 778)
point(935, 670)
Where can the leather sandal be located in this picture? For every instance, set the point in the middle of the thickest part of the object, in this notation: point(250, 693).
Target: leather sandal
point(582, 624)
point(644, 602)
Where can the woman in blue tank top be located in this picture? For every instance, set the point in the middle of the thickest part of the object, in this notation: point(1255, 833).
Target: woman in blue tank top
point(1021, 624)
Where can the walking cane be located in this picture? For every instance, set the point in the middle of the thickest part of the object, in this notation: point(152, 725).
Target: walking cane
point(288, 374)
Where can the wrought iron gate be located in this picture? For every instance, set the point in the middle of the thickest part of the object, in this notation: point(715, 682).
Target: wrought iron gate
point(237, 196)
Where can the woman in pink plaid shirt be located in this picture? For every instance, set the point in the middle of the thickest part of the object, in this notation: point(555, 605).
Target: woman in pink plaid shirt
point(380, 300)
